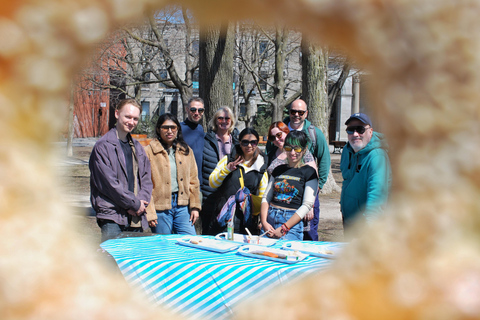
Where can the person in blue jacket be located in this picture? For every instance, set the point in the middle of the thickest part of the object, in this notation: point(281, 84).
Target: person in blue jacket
point(192, 130)
point(366, 172)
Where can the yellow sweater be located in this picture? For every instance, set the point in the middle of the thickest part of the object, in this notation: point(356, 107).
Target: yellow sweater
point(221, 171)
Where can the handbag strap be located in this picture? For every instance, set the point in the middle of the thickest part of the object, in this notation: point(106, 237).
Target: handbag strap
point(242, 184)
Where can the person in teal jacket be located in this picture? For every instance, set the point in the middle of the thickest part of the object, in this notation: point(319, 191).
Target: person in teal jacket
point(366, 172)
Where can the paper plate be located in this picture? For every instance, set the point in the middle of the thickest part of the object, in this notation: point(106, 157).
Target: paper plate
point(313, 248)
point(245, 239)
point(278, 255)
point(209, 244)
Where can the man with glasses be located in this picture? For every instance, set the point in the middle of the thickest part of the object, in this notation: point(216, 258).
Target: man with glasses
point(192, 130)
point(366, 172)
point(319, 148)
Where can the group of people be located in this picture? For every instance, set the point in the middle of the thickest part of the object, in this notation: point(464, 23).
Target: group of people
point(185, 177)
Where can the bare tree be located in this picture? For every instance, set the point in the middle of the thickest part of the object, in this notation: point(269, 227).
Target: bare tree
point(315, 85)
point(216, 66)
point(155, 38)
point(275, 84)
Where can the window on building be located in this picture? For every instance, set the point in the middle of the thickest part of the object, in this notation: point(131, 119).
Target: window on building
point(146, 77)
point(145, 110)
point(263, 80)
point(263, 49)
point(243, 109)
point(174, 107)
point(163, 75)
point(195, 80)
point(196, 47)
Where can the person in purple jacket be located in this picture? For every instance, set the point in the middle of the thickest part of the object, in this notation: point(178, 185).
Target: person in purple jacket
point(120, 176)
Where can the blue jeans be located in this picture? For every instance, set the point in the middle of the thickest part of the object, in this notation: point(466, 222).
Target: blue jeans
point(175, 220)
point(276, 217)
point(313, 233)
point(111, 229)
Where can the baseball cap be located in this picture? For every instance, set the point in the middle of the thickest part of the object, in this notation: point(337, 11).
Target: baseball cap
point(360, 116)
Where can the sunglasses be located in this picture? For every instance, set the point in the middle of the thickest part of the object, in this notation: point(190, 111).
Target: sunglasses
point(245, 143)
point(278, 135)
point(359, 129)
point(300, 112)
point(166, 128)
point(200, 110)
point(224, 118)
point(297, 149)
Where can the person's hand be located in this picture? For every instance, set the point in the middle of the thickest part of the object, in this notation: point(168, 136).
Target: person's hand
point(194, 216)
point(233, 165)
point(153, 223)
point(268, 227)
point(277, 233)
point(140, 211)
point(309, 216)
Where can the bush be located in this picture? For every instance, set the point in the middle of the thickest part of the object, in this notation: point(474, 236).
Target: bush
point(263, 120)
point(147, 126)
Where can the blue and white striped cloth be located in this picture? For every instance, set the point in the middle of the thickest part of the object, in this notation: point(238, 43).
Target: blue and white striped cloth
point(198, 283)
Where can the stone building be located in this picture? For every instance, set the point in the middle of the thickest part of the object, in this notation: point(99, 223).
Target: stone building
point(145, 77)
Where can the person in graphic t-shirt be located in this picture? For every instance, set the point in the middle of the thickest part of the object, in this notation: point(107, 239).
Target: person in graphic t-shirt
point(290, 192)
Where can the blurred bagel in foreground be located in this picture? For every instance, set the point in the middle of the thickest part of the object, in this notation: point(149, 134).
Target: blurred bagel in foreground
point(420, 260)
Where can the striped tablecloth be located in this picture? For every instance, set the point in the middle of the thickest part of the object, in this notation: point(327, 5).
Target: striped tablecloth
point(199, 283)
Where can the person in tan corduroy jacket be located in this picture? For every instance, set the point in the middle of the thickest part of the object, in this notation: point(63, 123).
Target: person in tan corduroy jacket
point(176, 188)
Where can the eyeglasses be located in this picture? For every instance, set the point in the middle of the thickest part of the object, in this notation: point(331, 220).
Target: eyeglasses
point(245, 143)
point(297, 149)
point(300, 112)
point(278, 135)
point(224, 118)
point(200, 110)
point(166, 128)
point(359, 129)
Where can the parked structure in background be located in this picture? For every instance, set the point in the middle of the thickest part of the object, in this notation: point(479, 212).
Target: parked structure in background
point(127, 65)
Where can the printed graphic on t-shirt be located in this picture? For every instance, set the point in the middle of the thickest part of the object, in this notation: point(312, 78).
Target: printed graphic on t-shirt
point(284, 192)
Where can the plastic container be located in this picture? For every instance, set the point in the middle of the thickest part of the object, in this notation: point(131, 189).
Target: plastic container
point(230, 230)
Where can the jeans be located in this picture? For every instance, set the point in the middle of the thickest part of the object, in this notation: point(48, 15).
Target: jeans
point(175, 220)
point(276, 217)
point(111, 229)
point(313, 233)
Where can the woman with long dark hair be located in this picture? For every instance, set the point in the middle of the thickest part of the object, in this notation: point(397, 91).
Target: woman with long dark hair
point(249, 163)
point(176, 188)
point(291, 191)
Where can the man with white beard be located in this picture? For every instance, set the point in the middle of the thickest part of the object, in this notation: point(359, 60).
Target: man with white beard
point(366, 172)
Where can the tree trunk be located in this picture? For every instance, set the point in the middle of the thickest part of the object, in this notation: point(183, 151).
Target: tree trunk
point(216, 67)
point(314, 85)
point(70, 123)
point(314, 89)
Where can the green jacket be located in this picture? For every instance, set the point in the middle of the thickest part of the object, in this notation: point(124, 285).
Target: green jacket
point(366, 179)
point(319, 150)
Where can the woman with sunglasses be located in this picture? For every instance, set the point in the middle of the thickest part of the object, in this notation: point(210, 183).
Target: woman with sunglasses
point(291, 191)
point(277, 156)
point(176, 188)
point(276, 134)
point(220, 140)
point(250, 163)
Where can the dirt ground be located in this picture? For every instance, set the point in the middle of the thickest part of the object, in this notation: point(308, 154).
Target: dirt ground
point(76, 186)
